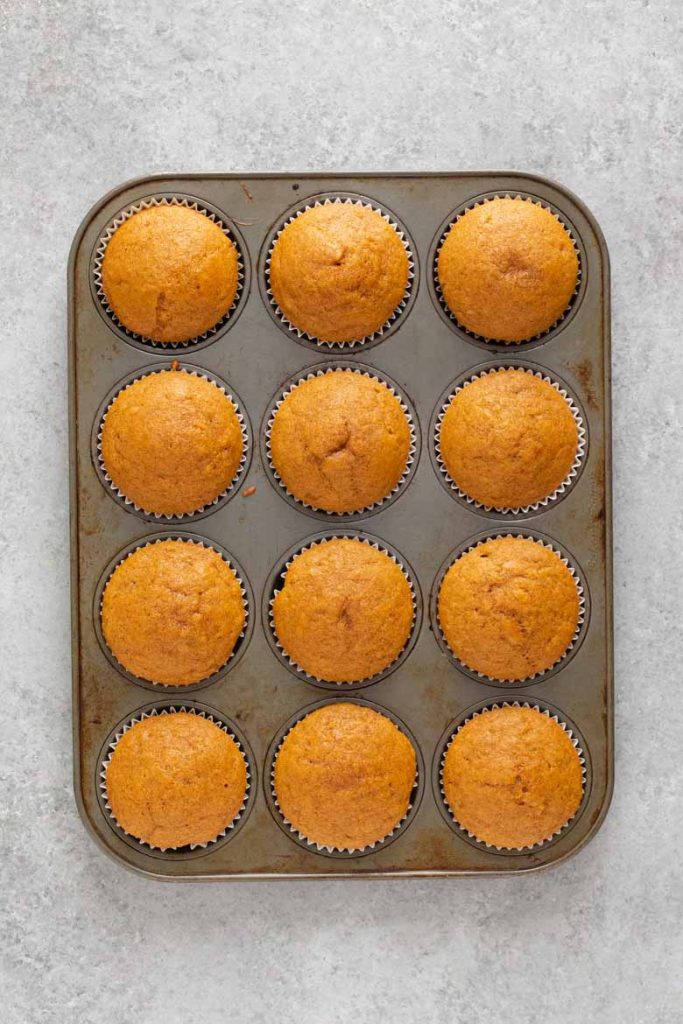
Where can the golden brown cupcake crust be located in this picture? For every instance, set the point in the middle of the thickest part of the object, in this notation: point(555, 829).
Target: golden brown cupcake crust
point(171, 442)
point(508, 269)
point(512, 777)
point(509, 608)
point(508, 439)
point(176, 779)
point(341, 441)
point(338, 271)
point(172, 612)
point(344, 775)
point(345, 611)
point(169, 273)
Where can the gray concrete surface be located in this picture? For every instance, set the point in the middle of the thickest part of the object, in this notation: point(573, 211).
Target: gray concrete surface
point(93, 93)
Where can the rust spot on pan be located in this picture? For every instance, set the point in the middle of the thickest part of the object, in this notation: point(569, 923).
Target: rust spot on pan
point(584, 374)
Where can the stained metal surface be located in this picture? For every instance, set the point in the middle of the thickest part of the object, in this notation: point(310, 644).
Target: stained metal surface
point(423, 354)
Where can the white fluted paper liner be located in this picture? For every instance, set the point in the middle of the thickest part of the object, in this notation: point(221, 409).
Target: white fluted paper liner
point(537, 676)
point(388, 324)
point(559, 490)
point(234, 484)
point(322, 848)
point(354, 682)
point(437, 284)
point(245, 605)
point(175, 709)
point(563, 725)
point(126, 214)
point(404, 408)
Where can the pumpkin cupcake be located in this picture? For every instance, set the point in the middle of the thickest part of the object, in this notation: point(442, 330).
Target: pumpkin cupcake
point(509, 608)
point(512, 777)
point(172, 612)
point(343, 776)
point(507, 269)
point(345, 611)
point(340, 441)
point(508, 439)
point(339, 271)
point(175, 780)
point(171, 442)
point(169, 273)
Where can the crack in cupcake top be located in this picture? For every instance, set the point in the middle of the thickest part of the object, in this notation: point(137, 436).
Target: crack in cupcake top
point(340, 442)
point(169, 273)
point(345, 611)
point(338, 271)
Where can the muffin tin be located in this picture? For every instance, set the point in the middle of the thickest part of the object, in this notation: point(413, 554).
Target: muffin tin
point(428, 523)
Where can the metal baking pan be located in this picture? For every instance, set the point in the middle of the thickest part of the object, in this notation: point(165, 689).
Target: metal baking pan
point(256, 355)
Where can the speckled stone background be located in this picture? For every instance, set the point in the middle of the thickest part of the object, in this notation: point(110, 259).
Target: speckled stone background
point(587, 93)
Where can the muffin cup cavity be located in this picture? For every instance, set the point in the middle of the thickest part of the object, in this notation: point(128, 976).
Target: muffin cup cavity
point(399, 313)
point(582, 590)
point(334, 851)
point(159, 517)
point(435, 287)
point(213, 214)
point(241, 643)
point(320, 371)
point(481, 709)
point(276, 580)
point(503, 510)
point(170, 708)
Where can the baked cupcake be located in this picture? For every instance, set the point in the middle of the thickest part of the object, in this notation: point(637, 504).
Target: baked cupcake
point(175, 780)
point(345, 610)
point(509, 608)
point(169, 273)
point(343, 776)
point(340, 441)
point(339, 271)
point(172, 612)
point(507, 269)
point(512, 777)
point(508, 439)
point(171, 442)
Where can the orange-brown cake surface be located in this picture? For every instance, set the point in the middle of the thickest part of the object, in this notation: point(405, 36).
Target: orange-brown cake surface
point(338, 271)
point(344, 775)
point(171, 442)
point(512, 777)
point(172, 612)
point(341, 441)
point(176, 779)
point(345, 611)
point(169, 273)
point(509, 608)
point(508, 439)
point(508, 269)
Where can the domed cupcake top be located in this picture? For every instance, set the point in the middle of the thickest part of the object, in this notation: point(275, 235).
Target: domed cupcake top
point(345, 610)
point(344, 775)
point(169, 273)
point(172, 612)
point(175, 780)
point(512, 777)
point(509, 608)
point(507, 269)
point(171, 442)
point(338, 271)
point(508, 439)
point(340, 441)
